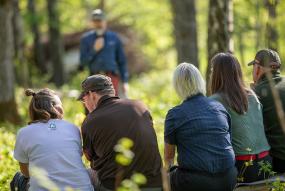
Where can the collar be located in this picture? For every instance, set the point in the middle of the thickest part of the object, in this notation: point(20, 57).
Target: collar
point(263, 78)
point(194, 96)
point(103, 100)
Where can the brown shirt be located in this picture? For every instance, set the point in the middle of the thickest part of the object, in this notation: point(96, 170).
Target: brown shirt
point(112, 120)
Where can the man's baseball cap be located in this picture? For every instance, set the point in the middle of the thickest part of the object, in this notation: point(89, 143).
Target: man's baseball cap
point(95, 83)
point(267, 58)
point(98, 15)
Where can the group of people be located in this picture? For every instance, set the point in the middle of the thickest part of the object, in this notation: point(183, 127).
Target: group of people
point(229, 136)
point(220, 140)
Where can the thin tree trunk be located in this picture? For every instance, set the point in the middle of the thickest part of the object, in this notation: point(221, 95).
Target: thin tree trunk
point(55, 43)
point(37, 48)
point(257, 26)
point(22, 67)
point(8, 108)
point(272, 33)
point(220, 29)
point(185, 30)
point(101, 4)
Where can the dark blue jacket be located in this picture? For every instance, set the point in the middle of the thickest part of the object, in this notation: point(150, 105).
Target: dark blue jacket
point(200, 129)
point(110, 58)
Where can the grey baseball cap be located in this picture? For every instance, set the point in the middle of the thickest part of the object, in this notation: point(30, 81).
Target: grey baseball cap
point(98, 15)
point(95, 83)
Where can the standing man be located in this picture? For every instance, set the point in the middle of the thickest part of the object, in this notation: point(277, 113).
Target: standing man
point(102, 51)
point(109, 120)
point(267, 60)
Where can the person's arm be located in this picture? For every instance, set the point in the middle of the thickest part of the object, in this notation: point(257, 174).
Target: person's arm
point(122, 64)
point(170, 138)
point(21, 152)
point(86, 52)
point(169, 154)
point(86, 140)
point(24, 169)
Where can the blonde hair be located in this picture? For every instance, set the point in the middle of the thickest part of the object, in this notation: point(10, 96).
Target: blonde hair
point(188, 81)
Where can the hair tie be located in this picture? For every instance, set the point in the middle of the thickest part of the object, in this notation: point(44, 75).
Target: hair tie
point(33, 94)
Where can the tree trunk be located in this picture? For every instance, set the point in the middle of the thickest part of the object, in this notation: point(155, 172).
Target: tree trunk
point(258, 27)
point(272, 34)
point(37, 48)
point(8, 109)
point(220, 29)
point(185, 30)
point(101, 4)
point(22, 67)
point(55, 43)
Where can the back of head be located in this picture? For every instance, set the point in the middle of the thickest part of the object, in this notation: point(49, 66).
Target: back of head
point(188, 81)
point(227, 80)
point(44, 105)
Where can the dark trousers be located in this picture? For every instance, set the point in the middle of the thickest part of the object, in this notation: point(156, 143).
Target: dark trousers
point(187, 180)
point(278, 165)
point(251, 173)
point(19, 182)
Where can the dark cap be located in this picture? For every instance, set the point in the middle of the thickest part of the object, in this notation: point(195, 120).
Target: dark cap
point(98, 14)
point(267, 58)
point(96, 83)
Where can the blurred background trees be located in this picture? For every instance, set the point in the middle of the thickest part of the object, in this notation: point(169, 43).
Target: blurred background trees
point(40, 40)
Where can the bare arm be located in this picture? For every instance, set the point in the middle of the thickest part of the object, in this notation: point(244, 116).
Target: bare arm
point(24, 169)
point(169, 154)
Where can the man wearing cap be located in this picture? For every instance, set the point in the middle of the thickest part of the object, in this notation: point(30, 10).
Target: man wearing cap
point(267, 60)
point(109, 120)
point(102, 51)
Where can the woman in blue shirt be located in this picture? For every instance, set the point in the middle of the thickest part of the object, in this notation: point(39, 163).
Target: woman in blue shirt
point(200, 130)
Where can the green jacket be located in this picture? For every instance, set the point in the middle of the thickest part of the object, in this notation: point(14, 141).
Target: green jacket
point(273, 130)
point(248, 136)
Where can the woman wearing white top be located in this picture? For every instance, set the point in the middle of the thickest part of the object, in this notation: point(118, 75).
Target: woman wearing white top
point(52, 145)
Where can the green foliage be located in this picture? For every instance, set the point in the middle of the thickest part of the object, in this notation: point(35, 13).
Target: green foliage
point(266, 168)
point(8, 166)
point(124, 154)
point(124, 157)
point(133, 183)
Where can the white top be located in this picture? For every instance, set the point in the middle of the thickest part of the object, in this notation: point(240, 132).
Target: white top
point(56, 148)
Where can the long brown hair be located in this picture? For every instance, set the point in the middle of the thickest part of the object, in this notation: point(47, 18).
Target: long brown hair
point(45, 105)
point(227, 80)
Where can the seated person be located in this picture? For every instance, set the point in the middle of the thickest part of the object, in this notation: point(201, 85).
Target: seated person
point(268, 60)
point(200, 130)
point(51, 144)
point(248, 135)
point(109, 120)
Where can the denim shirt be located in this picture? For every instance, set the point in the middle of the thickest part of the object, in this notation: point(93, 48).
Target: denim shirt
point(200, 129)
point(110, 58)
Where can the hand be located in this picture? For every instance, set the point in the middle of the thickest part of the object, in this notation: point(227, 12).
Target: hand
point(99, 44)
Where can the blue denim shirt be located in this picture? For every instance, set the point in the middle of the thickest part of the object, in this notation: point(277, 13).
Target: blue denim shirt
point(200, 129)
point(110, 58)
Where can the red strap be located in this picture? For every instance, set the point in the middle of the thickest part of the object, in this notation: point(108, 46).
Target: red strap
point(253, 157)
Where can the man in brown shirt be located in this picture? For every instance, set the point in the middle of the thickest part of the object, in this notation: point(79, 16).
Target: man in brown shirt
point(110, 119)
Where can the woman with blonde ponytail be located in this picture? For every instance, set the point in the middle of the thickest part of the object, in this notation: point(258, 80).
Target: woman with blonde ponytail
point(52, 144)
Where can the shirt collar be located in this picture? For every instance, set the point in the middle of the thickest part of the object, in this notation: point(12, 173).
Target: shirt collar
point(263, 78)
point(105, 99)
point(194, 96)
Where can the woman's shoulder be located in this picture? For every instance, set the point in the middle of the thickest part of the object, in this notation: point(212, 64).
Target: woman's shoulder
point(175, 111)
